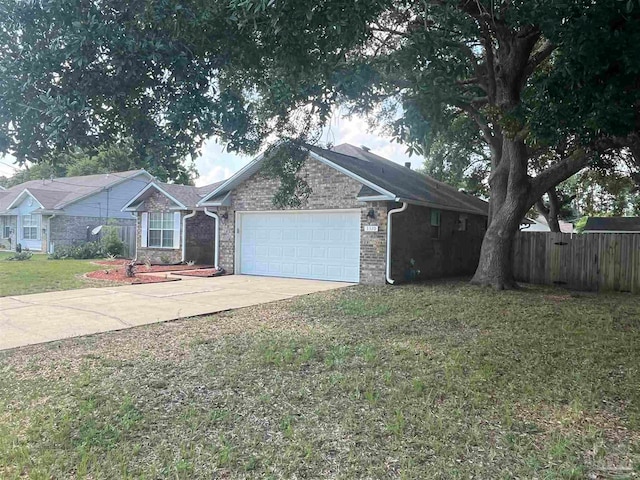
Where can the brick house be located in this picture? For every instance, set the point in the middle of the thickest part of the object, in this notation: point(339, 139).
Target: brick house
point(40, 214)
point(366, 220)
point(170, 227)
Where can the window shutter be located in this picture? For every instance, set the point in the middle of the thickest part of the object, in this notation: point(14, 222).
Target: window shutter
point(144, 229)
point(176, 229)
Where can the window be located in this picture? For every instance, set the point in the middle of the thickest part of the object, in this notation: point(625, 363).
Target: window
point(435, 224)
point(161, 229)
point(5, 227)
point(30, 227)
point(462, 223)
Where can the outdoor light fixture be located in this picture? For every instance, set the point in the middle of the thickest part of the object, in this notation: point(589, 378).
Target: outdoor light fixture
point(224, 216)
point(371, 213)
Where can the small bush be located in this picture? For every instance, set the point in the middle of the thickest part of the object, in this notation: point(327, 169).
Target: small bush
point(80, 252)
point(20, 256)
point(111, 242)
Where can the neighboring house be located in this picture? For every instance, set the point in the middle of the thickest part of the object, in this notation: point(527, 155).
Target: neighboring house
point(539, 224)
point(40, 214)
point(366, 219)
point(171, 228)
point(612, 225)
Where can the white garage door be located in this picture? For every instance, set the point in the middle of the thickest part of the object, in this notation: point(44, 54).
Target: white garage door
point(302, 244)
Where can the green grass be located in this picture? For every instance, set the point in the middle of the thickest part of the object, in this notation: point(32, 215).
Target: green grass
point(440, 381)
point(41, 275)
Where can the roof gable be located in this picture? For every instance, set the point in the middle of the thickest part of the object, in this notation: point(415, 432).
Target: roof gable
point(382, 179)
point(57, 193)
point(21, 197)
point(182, 196)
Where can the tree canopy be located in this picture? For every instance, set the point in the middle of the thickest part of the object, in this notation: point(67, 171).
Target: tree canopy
point(519, 76)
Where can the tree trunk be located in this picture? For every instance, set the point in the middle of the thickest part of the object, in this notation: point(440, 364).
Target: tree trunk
point(510, 185)
point(495, 268)
point(551, 212)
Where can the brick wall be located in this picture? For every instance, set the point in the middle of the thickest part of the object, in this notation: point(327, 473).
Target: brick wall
point(72, 230)
point(453, 253)
point(157, 203)
point(330, 189)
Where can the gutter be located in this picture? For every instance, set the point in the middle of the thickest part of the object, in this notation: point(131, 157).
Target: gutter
point(184, 233)
point(49, 242)
point(388, 262)
point(216, 247)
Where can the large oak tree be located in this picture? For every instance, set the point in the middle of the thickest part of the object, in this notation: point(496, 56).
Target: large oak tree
point(170, 73)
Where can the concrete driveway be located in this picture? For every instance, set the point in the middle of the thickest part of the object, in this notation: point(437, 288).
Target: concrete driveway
point(43, 317)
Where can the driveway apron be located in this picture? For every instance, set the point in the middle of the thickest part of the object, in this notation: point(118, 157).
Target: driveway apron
point(44, 317)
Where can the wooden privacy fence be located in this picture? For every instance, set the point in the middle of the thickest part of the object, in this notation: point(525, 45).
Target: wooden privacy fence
point(592, 261)
point(128, 236)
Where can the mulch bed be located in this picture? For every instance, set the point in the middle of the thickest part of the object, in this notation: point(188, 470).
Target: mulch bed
point(169, 268)
point(142, 268)
point(118, 275)
point(203, 272)
point(117, 262)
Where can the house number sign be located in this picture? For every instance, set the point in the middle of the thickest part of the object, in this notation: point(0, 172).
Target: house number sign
point(371, 228)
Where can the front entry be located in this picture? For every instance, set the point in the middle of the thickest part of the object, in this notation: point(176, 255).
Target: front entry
point(200, 234)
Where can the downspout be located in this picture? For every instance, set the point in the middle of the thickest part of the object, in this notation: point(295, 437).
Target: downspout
point(135, 216)
point(391, 212)
point(216, 246)
point(184, 233)
point(49, 249)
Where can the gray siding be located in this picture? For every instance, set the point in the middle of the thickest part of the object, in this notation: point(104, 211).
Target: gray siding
point(115, 198)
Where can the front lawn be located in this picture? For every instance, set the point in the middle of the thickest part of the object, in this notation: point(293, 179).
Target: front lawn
point(41, 275)
point(441, 381)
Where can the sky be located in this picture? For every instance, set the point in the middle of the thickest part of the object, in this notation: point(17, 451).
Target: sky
point(216, 164)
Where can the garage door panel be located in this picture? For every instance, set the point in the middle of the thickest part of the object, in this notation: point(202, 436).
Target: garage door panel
point(289, 235)
point(303, 270)
point(335, 253)
point(288, 269)
point(318, 270)
point(318, 245)
point(303, 252)
point(353, 255)
point(318, 253)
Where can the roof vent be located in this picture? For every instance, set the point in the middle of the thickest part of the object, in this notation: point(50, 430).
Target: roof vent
point(408, 165)
point(365, 148)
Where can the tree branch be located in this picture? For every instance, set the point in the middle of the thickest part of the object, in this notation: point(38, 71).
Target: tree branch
point(539, 57)
point(487, 133)
point(558, 173)
point(491, 72)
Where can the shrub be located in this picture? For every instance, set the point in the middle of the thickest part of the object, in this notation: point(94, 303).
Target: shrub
point(80, 252)
point(20, 256)
point(111, 242)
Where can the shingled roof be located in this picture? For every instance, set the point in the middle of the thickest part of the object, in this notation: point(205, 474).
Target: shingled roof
point(612, 224)
point(403, 182)
point(185, 196)
point(56, 193)
point(382, 179)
